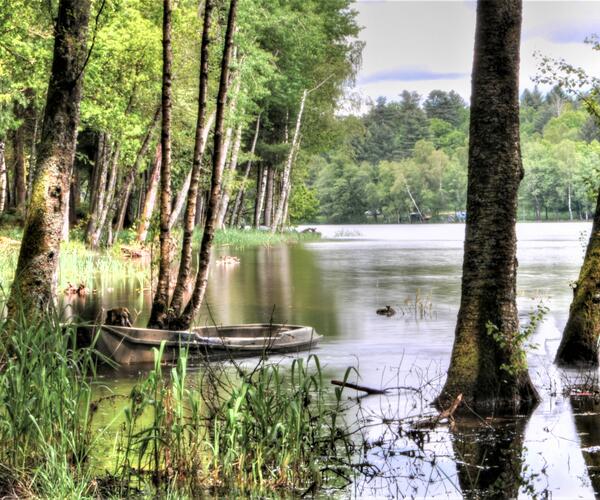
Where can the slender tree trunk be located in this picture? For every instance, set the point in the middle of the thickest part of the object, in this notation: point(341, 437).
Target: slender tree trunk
point(150, 197)
point(20, 176)
point(97, 185)
point(286, 176)
point(569, 201)
point(487, 365)
point(185, 188)
point(160, 304)
point(202, 129)
point(269, 195)
point(237, 207)
point(32, 157)
point(35, 276)
point(261, 187)
point(2, 177)
point(193, 306)
point(579, 344)
point(225, 197)
point(107, 201)
point(125, 192)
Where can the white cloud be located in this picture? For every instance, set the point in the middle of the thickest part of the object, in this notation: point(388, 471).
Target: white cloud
point(425, 45)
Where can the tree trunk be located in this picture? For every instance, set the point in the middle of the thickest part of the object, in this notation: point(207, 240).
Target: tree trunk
point(160, 304)
point(230, 176)
point(193, 306)
point(97, 185)
point(269, 195)
point(579, 344)
point(261, 186)
point(106, 205)
point(2, 178)
point(488, 366)
point(569, 201)
point(150, 197)
point(237, 207)
point(35, 276)
point(126, 188)
point(286, 176)
point(202, 129)
point(20, 176)
point(182, 196)
point(32, 157)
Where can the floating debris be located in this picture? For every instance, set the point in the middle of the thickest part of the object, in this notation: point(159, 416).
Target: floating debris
point(228, 259)
point(386, 311)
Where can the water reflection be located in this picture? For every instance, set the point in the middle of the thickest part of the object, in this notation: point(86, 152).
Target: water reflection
point(586, 411)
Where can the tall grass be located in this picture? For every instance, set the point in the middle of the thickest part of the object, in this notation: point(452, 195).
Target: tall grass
point(226, 428)
point(45, 409)
point(270, 429)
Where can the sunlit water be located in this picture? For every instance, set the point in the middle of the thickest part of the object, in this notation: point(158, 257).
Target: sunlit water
point(336, 285)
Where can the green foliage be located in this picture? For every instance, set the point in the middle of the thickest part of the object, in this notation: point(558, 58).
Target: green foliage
point(515, 344)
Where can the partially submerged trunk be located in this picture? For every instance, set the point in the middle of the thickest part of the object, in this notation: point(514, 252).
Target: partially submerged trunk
point(193, 306)
point(579, 344)
point(149, 198)
point(488, 365)
point(239, 199)
point(35, 277)
point(160, 304)
point(202, 129)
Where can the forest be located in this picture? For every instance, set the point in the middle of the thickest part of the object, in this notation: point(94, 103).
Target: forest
point(216, 281)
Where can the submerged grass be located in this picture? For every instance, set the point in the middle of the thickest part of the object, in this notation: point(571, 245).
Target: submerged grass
point(263, 429)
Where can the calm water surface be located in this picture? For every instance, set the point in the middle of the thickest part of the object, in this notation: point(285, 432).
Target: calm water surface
point(337, 284)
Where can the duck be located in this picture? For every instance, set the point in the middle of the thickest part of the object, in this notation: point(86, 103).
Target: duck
point(386, 311)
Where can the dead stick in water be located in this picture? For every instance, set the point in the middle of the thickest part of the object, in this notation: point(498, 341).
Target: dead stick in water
point(368, 390)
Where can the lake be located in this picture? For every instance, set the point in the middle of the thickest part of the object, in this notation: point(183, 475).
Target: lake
point(336, 284)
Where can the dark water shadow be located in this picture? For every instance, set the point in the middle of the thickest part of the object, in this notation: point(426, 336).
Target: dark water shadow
point(489, 457)
point(586, 414)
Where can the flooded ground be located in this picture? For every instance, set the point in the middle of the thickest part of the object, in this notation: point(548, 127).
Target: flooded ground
point(336, 285)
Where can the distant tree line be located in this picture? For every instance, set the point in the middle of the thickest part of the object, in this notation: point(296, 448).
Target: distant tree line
point(410, 157)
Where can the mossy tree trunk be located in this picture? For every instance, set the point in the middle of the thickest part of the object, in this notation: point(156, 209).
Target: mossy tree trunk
point(160, 304)
point(35, 276)
point(579, 344)
point(489, 370)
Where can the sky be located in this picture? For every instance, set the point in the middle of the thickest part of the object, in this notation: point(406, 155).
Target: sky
point(421, 45)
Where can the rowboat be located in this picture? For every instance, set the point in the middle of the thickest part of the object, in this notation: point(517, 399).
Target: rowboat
point(132, 345)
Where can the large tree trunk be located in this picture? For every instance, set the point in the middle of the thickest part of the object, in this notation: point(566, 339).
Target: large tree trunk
point(182, 196)
point(488, 366)
point(259, 201)
point(35, 276)
point(225, 197)
point(239, 199)
point(579, 344)
point(193, 306)
point(287, 171)
point(160, 304)
point(125, 191)
point(202, 128)
point(150, 197)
